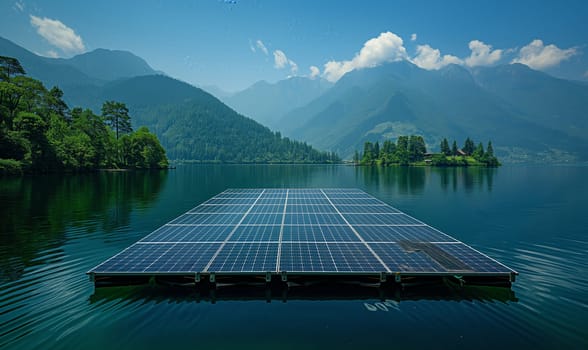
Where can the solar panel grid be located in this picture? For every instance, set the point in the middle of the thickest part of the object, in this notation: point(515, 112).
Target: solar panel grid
point(189, 234)
point(319, 233)
point(256, 233)
point(207, 219)
point(297, 230)
point(246, 257)
point(380, 219)
point(213, 208)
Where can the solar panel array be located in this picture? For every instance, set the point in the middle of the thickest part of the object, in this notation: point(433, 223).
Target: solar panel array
point(242, 231)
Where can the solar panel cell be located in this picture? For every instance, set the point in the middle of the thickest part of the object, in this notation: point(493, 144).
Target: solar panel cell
point(246, 257)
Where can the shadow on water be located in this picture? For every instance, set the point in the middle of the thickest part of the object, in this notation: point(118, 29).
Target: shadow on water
point(38, 211)
point(442, 291)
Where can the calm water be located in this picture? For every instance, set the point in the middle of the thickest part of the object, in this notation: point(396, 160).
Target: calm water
point(54, 229)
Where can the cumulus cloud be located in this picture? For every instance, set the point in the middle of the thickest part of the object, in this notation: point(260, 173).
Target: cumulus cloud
point(282, 61)
point(387, 47)
point(314, 72)
point(58, 34)
point(538, 56)
point(261, 46)
point(413, 37)
point(482, 54)
point(430, 58)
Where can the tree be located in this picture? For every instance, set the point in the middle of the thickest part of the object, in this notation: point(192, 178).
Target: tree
point(116, 115)
point(489, 150)
point(454, 148)
point(9, 66)
point(416, 148)
point(468, 146)
point(54, 102)
point(32, 91)
point(368, 153)
point(388, 148)
point(377, 150)
point(445, 147)
point(479, 152)
point(402, 143)
point(10, 95)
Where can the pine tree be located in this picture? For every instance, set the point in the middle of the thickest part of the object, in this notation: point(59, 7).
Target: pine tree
point(454, 148)
point(489, 150)
point(445, 147)
point(116, 114)
point(479, 152)
point(469, 146)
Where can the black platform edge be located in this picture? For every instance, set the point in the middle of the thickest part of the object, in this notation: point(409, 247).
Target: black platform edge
point(303, 278)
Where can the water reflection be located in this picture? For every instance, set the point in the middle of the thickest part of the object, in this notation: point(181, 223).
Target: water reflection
point(413, 180)
point(37, 211)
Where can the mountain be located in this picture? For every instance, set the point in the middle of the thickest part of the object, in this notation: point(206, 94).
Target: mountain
point(194, 125)
point(49, 70)
point(190, 123)
point(268, 103)
point(80, 76)
point(538, 97)
point(216, 92)
point(526, 115)
point(109, 65)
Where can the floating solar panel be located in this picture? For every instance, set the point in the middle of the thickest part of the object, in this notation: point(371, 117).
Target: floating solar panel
point(299, 232)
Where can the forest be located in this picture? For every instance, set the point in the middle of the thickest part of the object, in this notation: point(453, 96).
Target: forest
point(412, 150)
point(39, 133)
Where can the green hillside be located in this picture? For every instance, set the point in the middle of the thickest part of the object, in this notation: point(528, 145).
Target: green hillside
point(194, 125)
point(399, 98)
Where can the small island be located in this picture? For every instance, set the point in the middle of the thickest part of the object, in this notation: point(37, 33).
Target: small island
point(412, 151)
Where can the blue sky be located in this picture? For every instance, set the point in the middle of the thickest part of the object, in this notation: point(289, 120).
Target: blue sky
point(232, 44)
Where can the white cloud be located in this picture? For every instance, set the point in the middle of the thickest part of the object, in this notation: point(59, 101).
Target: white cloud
point(58, 34)
point(430, 58)
point(52, 54)
point(19, 6)
point(387, 47)
point(314, 72)
point(282, 61)
point(482, 54)
point(261, 46)
point(586, 74)
point(413, 37)
point(538, 56)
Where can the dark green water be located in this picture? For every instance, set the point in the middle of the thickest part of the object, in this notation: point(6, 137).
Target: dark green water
point(54, 229)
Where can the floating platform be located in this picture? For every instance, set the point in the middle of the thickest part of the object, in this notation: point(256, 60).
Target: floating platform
point(302, 235)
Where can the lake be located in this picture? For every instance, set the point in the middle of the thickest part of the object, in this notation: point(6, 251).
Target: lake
point(55, 228)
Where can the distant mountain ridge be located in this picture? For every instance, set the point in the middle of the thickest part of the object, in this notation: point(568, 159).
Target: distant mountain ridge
point(109, 65)
point(81, 74)
point(530, 115)
point(267, 103)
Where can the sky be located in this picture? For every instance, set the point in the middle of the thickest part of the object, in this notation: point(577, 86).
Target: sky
point(232, 44)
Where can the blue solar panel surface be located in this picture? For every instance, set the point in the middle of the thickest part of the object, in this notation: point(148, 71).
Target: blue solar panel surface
point(301, 231)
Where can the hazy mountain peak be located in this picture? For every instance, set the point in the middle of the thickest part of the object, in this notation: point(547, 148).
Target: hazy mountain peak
point(110, 64)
